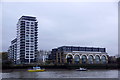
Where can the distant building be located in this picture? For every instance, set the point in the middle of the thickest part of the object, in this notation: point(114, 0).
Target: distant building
point(13, 50)
point(26, 41)
point(42, 56)
point(79, 55)
point(10, 55)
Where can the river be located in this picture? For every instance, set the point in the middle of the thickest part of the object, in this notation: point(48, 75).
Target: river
point(60, 73)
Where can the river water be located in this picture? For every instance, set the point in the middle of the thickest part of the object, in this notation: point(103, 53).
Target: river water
point(60, 73)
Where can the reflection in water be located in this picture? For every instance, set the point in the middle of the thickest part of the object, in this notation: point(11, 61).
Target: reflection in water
point(62, 74)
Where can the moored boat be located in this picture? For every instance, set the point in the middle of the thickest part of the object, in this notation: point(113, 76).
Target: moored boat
point(81, 69)
point(36, 69)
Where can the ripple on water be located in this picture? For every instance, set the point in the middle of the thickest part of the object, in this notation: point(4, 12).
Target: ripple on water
point(63, 74)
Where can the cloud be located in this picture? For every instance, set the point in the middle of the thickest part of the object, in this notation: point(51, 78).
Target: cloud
point(79, 24)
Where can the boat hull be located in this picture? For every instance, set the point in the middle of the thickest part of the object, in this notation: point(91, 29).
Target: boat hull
point(36, 70)
point(80, 70)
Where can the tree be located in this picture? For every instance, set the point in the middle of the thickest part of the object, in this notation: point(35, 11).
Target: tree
point(118, 60)
point(4, 60)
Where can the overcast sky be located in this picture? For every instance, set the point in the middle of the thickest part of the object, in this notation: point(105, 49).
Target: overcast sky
point(87, 24)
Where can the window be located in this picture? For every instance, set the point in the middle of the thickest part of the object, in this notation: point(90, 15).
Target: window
point(103, 59)
point(36, 24)
point(31, 56)
point(27, 56)
point(27, 27)
point(31, 51)
point(27, 43)
point(27, 40)
point(27, 23)
point(95, 49)
point(32, 23)
point(32, 38)
point(69, 59)
point(27, 52)
point(82, 48)
point(32, 46)
point(32, 35)
point(27, 32)
point(27, 35)
point(27, 48)
point(77, 59)
point(97, 59)
point(84, 59)
point(88, 49)
point(22, 21)
point(32, 43)
point(102, 49)
point(90, 59)
point(32, 27)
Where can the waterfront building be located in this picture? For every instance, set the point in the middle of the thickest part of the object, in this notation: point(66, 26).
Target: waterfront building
point(9, 53)
point(43, 56)
point(13, 50)
point(79, 55)
point(27, 37)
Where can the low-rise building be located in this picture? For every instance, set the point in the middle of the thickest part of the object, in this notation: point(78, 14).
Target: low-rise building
point(79, 55)
point(42, 56)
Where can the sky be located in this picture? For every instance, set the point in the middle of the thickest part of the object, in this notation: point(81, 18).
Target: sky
point(85, 24)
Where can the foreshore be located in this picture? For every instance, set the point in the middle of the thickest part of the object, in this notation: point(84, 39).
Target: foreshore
point(65, 66)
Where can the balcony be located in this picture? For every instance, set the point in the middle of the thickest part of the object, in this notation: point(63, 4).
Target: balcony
point(36, 29)
point(36, 34)
point(22, 29)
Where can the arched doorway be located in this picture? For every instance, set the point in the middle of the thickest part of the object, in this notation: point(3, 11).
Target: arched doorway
point(103, 59)
point(90, 59)
point(76, 59)
point(84, 59)
point(69, 59)
point(97, 59)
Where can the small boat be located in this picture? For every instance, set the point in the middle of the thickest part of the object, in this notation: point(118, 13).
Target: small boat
point(81, 69)
point(36, 69)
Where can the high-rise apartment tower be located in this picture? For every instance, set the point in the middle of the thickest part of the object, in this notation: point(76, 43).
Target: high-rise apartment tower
point(27, 36)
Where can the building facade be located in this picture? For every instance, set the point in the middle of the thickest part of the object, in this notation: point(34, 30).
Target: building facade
point(27, 37)
point(43, 56)
point(13, 50)
point(79, 55)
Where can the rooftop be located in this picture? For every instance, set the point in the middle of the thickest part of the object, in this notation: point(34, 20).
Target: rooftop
point(75, 48)
point(29, 18)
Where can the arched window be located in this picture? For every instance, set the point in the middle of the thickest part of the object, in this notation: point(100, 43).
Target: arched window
point(84, 59)
point(69, 59)
point(90, 59)
point(76, 59)
point(103, 59)
point(97, 59)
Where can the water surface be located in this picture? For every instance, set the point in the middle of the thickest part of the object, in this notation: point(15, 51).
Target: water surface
point(60, 73)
